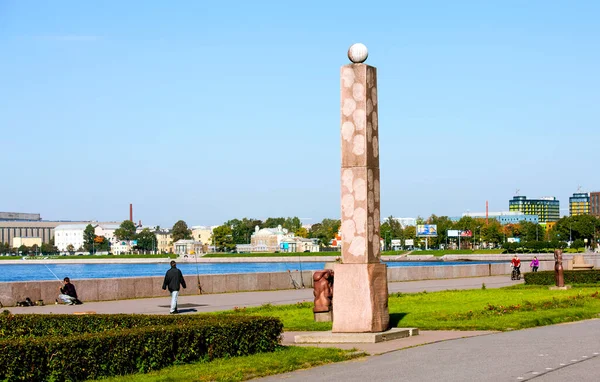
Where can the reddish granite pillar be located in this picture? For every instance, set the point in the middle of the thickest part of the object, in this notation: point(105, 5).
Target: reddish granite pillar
point(360, 287)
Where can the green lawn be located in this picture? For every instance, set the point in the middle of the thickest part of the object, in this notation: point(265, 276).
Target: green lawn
point(458, 252)
point(293, 254)
point(284, 360)
point(33, 258)
point(490, 309)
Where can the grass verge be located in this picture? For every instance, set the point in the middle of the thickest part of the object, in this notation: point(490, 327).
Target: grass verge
point(283, 360)
point(516, 307)
point(458, 252)
point(293, 254)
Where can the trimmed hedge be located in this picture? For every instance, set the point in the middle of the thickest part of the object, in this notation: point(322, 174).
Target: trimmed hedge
point(571, 277)
point(130, 348)
point(36, 325)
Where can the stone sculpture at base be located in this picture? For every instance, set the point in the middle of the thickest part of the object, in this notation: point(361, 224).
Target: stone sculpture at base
point(360, 289)
point(323, 292)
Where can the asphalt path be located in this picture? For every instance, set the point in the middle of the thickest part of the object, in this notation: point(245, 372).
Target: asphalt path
point(565, 352)
point(226, 301)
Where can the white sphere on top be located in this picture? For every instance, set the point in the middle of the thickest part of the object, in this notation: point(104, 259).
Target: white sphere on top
point(358, 53)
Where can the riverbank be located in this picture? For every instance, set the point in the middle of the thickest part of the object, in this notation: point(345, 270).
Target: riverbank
point(591, 258)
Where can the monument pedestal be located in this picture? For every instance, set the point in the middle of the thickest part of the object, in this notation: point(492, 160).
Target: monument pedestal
point(323, 317)
point(566, 287)
point(360, 295)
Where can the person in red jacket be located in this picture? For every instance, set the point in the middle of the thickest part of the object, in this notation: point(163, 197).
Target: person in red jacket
point(516, 263)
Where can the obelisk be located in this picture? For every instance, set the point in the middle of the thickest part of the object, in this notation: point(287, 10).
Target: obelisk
point(360, 295)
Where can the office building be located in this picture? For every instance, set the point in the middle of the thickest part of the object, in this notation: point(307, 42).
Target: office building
point(504, 217)
point(579, 204)
point(19, 216)
point(547, 208)
point(595, 204)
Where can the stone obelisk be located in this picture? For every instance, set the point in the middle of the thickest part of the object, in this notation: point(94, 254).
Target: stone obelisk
point(360, 287)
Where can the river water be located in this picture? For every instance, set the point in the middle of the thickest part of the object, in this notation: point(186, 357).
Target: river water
point(31, 272)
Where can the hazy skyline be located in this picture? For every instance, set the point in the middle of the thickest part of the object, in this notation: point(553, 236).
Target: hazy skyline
point(212, 111)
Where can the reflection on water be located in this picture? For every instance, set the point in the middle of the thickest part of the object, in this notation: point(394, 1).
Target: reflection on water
point(29, 271)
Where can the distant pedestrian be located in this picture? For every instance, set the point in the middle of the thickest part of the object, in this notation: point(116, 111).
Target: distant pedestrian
point(68, 294)
point(535, 264)
point(173, 280)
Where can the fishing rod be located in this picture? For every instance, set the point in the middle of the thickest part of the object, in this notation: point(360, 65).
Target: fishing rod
point(198, 273)
point(47, 267)
point(300, 264)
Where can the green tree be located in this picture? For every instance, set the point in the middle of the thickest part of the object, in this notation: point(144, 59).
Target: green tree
point(101, 244)
point(273, 222)
point(4, 248)
point(146, 240)
point(48, 249)
point(181, 231)
point(126, 231)
point(23, 250)
point(242, 230)
point(443, 224)
point(71, 249)
point(325, 231)
point(292, 224)
point(88, 238)
point(492, 232)
point(222, 238)
point(301, 232)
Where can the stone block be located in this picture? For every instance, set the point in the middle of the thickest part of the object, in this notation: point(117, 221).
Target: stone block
point(336, 338)
point(108, 289)
point(219, 284)
point(6, 294)
point(263, 281)
point(360, 215)
point(323, 317)
point(232, 282)
point(566, 287)
point(359, 119)
point(360, 298)
point(206, 283)
point(248, 282)
point(142, 287)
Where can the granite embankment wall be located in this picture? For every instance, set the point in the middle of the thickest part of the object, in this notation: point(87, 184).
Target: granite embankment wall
point(144, 287)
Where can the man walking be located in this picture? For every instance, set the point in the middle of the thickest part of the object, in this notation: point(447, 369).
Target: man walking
point(173, 280)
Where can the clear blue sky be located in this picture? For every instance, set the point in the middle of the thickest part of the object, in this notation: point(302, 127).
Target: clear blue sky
point(207, 111)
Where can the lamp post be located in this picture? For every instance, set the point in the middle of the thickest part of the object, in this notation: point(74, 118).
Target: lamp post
point(570, 234)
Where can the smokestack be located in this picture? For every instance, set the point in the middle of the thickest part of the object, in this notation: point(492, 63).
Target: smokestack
point(486, 212)
point(131, 212)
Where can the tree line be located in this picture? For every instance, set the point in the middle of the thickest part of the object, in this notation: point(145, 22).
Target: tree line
point(580, 231)
point(239, 231)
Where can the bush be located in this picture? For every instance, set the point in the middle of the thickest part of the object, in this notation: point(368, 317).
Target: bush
point(141, 344)
point(571, 277)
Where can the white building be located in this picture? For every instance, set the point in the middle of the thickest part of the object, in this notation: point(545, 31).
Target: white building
point(72, 234)
point(188, 247)
point(406, 222)
point(69, 234)
point(202, 234)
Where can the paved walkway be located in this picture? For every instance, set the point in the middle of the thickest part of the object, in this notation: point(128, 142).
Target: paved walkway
point(566, 352)
point(227, 301)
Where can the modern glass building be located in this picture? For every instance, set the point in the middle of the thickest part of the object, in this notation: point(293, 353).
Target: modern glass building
point(547, 209)
point(595, 203)
point(579, 204)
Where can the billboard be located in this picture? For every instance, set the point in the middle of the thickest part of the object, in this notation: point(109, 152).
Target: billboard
point(453, 233)
point(466, 233)
point(513, 239)
point(426, 230)
point(409, 242)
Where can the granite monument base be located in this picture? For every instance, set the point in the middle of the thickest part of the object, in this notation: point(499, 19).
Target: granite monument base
point(340, 338)
point(360, 298)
